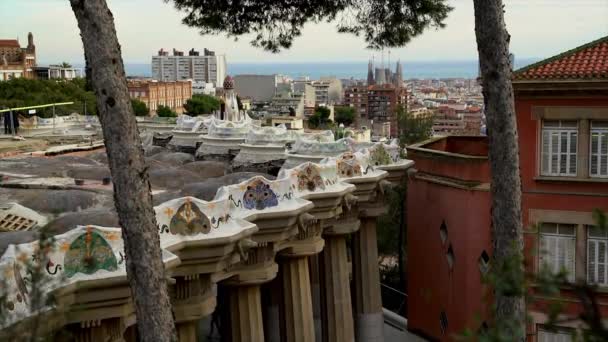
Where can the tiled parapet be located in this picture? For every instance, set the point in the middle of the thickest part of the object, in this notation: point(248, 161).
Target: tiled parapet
point(305, 150)
point(263, 145)
point(204, 235)
point(319, 184)
point(78, 268)
point(387, 157)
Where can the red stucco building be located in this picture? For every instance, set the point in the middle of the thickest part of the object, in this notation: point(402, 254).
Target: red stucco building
point(562, 119)
point(561, 105)
point(449, 242)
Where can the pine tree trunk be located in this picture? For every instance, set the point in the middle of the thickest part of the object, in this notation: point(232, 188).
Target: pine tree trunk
point(493, 47)
point(132, 196)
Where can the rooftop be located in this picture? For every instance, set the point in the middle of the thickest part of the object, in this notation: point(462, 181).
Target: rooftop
point(9, 43)
point(586, 62)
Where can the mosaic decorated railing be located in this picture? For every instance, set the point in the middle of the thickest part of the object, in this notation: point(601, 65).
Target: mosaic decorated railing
point(228, 129)
point(189, 219)
point(312, 177)
point(309, 147)
point(278, 135)
point(258, 194)
point(88, 254)
point(324, 136)
point(83, 255)
point(193, 124)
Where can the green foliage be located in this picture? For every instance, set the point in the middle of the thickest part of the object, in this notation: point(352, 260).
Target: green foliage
point(391, 235)
point(139, 108)
point(202, 104)
point(345, 115)
point(165, 112)
point(507, 277)
point(413, 129)
point(66, 65)
point(275, 24)
point(320, 119)
point(22, 92)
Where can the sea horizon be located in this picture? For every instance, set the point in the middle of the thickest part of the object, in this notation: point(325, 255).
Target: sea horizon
point(342, 70)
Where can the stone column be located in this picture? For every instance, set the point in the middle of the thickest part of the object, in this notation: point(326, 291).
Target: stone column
point(366, 283)
point(338, 308)
point(272, 296)
point(315, 283)
point(299, 323)
point(246, 314)
point(186, 331)
point(107, 330)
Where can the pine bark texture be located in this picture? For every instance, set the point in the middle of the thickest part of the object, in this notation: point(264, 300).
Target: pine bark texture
point(495, 65)
point(132, 196)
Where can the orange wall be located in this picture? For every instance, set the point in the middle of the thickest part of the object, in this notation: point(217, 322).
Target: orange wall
point(432, 286)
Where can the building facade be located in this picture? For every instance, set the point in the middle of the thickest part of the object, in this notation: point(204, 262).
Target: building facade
point(356, 96)
point(15, 61)
point(562, 118)
point(206, 68)
point(154, 94)
point(561, 107)
point(58, 72)
point(259, 88)
point(382, 103)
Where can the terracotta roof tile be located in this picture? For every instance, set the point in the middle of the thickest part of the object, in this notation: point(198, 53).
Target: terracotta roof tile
point(589, 61)
point(9, 43)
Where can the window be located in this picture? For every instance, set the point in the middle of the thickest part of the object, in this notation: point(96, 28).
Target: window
point(443, 322)
point(450, 257)
point(443, 232)
point(484, 262)
point(559, 147)
point(597, 255)
point(557, 247)
point(598, 158)
point(545, 335)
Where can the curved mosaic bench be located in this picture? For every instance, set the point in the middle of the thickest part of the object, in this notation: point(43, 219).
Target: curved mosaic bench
point(236, 239)
point(262, 146)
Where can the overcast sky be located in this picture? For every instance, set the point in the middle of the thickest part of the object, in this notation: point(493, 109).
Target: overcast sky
point(539, 28)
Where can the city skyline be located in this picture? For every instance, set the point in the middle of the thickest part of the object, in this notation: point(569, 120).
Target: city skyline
point(537, 31)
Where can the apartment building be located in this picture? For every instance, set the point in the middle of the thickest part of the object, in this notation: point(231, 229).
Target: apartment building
point(153, 93)
point(382, 103)
point(356, 96)
point(201, 69)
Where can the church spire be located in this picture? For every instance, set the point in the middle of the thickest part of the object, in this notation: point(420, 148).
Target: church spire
point(370, 73)
point(398, 75)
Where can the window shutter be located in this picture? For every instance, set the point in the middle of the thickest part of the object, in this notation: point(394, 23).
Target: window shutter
point(570, 257)
point(573, 150)
point(591, 261)
point(545, 152)
point(601, 262)
point(554, 152)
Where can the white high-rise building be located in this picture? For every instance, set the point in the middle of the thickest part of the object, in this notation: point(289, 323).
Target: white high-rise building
point(206, 68)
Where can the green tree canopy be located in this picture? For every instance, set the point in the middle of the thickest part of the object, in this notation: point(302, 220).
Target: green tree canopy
point(345, 115)
point(139, 107)
point(413, 129)
point(165, 112)
point(21, 92)
point(320, 119)
point(202, 104)
point(275, 24)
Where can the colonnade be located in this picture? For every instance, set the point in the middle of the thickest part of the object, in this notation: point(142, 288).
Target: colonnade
point(298, 255)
